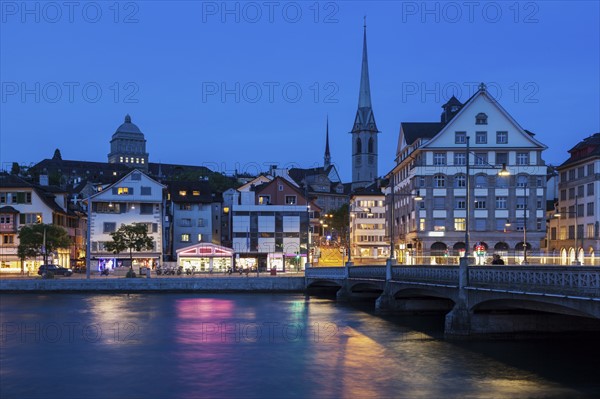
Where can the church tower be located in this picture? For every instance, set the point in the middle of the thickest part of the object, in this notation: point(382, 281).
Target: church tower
point(327, 157)
point(364, 132)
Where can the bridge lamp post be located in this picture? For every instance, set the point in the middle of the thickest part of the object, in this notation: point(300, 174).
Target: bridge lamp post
point(576, 262)
point(525, 261)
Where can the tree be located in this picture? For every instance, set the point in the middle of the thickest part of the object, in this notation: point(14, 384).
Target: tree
point(339, 221)
point(133, 237)
point(31, 240)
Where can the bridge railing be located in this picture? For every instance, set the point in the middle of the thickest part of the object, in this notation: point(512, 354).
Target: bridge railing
point(367, 272)
point(560, 279)
point(435, 274)
point(335, 273)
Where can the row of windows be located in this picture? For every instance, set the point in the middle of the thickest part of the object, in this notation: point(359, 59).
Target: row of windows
point(591, 231)
point(581, 192)
point(109, 207)
point(369, 203)
point(459, 224)
point(481, 181)
point(188, 237)
point(479, 158)
point(22, 197)
point(579, 173)
point(111, 227)
point(370, 238)
point(187, 222)
point(132, 160)
point(481, 203)
point(481, 137)
point(579, 210)
point(130, 190)
point(266, 200)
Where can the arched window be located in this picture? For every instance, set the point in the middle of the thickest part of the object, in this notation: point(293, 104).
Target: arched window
point(358, 146)
point(481, 181)
point(522, 180)
point(370, 145)
point(439, 181)
point(460, 181)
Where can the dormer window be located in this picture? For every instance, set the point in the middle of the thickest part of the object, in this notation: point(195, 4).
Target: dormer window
point(481, 119)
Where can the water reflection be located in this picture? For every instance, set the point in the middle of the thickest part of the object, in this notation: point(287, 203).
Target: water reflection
point(267, 346)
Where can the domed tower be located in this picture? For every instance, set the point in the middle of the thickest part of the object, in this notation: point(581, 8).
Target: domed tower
point(128, 146)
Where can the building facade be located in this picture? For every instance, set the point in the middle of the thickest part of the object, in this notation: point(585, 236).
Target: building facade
point(368, 239)
point(270, 225)
point(573, 233)
point(134, 199)
point(193, 215)
point(22, 204)
point(506, 214)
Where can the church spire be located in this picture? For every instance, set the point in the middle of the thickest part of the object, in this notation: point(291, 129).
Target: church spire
point(327, 158)
point(365, 120)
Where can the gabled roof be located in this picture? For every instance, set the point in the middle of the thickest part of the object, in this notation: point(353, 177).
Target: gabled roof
point(416, 130)
point(585, 149)
point(482, 92)
point(8, 209)
point(372, 189)
point(123, 178)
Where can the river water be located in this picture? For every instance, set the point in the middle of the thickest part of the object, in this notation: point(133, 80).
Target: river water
point(266, 346)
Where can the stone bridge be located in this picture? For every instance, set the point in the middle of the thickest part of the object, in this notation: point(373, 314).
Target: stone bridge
point(492, 300)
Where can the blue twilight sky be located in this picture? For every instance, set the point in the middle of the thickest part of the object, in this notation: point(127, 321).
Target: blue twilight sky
point(241, 85)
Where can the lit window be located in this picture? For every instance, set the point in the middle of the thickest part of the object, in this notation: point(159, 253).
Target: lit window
point(199, 237)
point(185, 238)
point(460, 224)
point(183, 193)
point(142, 160)
point(121, 159)
point(123, 190)
point(195, 193)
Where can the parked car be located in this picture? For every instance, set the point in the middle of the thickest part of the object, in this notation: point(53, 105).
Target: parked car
point(56, 270)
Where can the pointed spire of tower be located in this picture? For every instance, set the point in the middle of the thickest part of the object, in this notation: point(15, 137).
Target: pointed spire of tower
point(327, 158)
point(365, 120)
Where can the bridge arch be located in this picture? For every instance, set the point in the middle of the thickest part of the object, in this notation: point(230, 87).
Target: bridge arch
point(492, 304)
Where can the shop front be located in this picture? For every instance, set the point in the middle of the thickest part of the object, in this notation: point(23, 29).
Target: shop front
point(205, 257)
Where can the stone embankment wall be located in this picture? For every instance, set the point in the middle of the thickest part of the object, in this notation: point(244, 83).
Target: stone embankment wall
point(224, 284)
